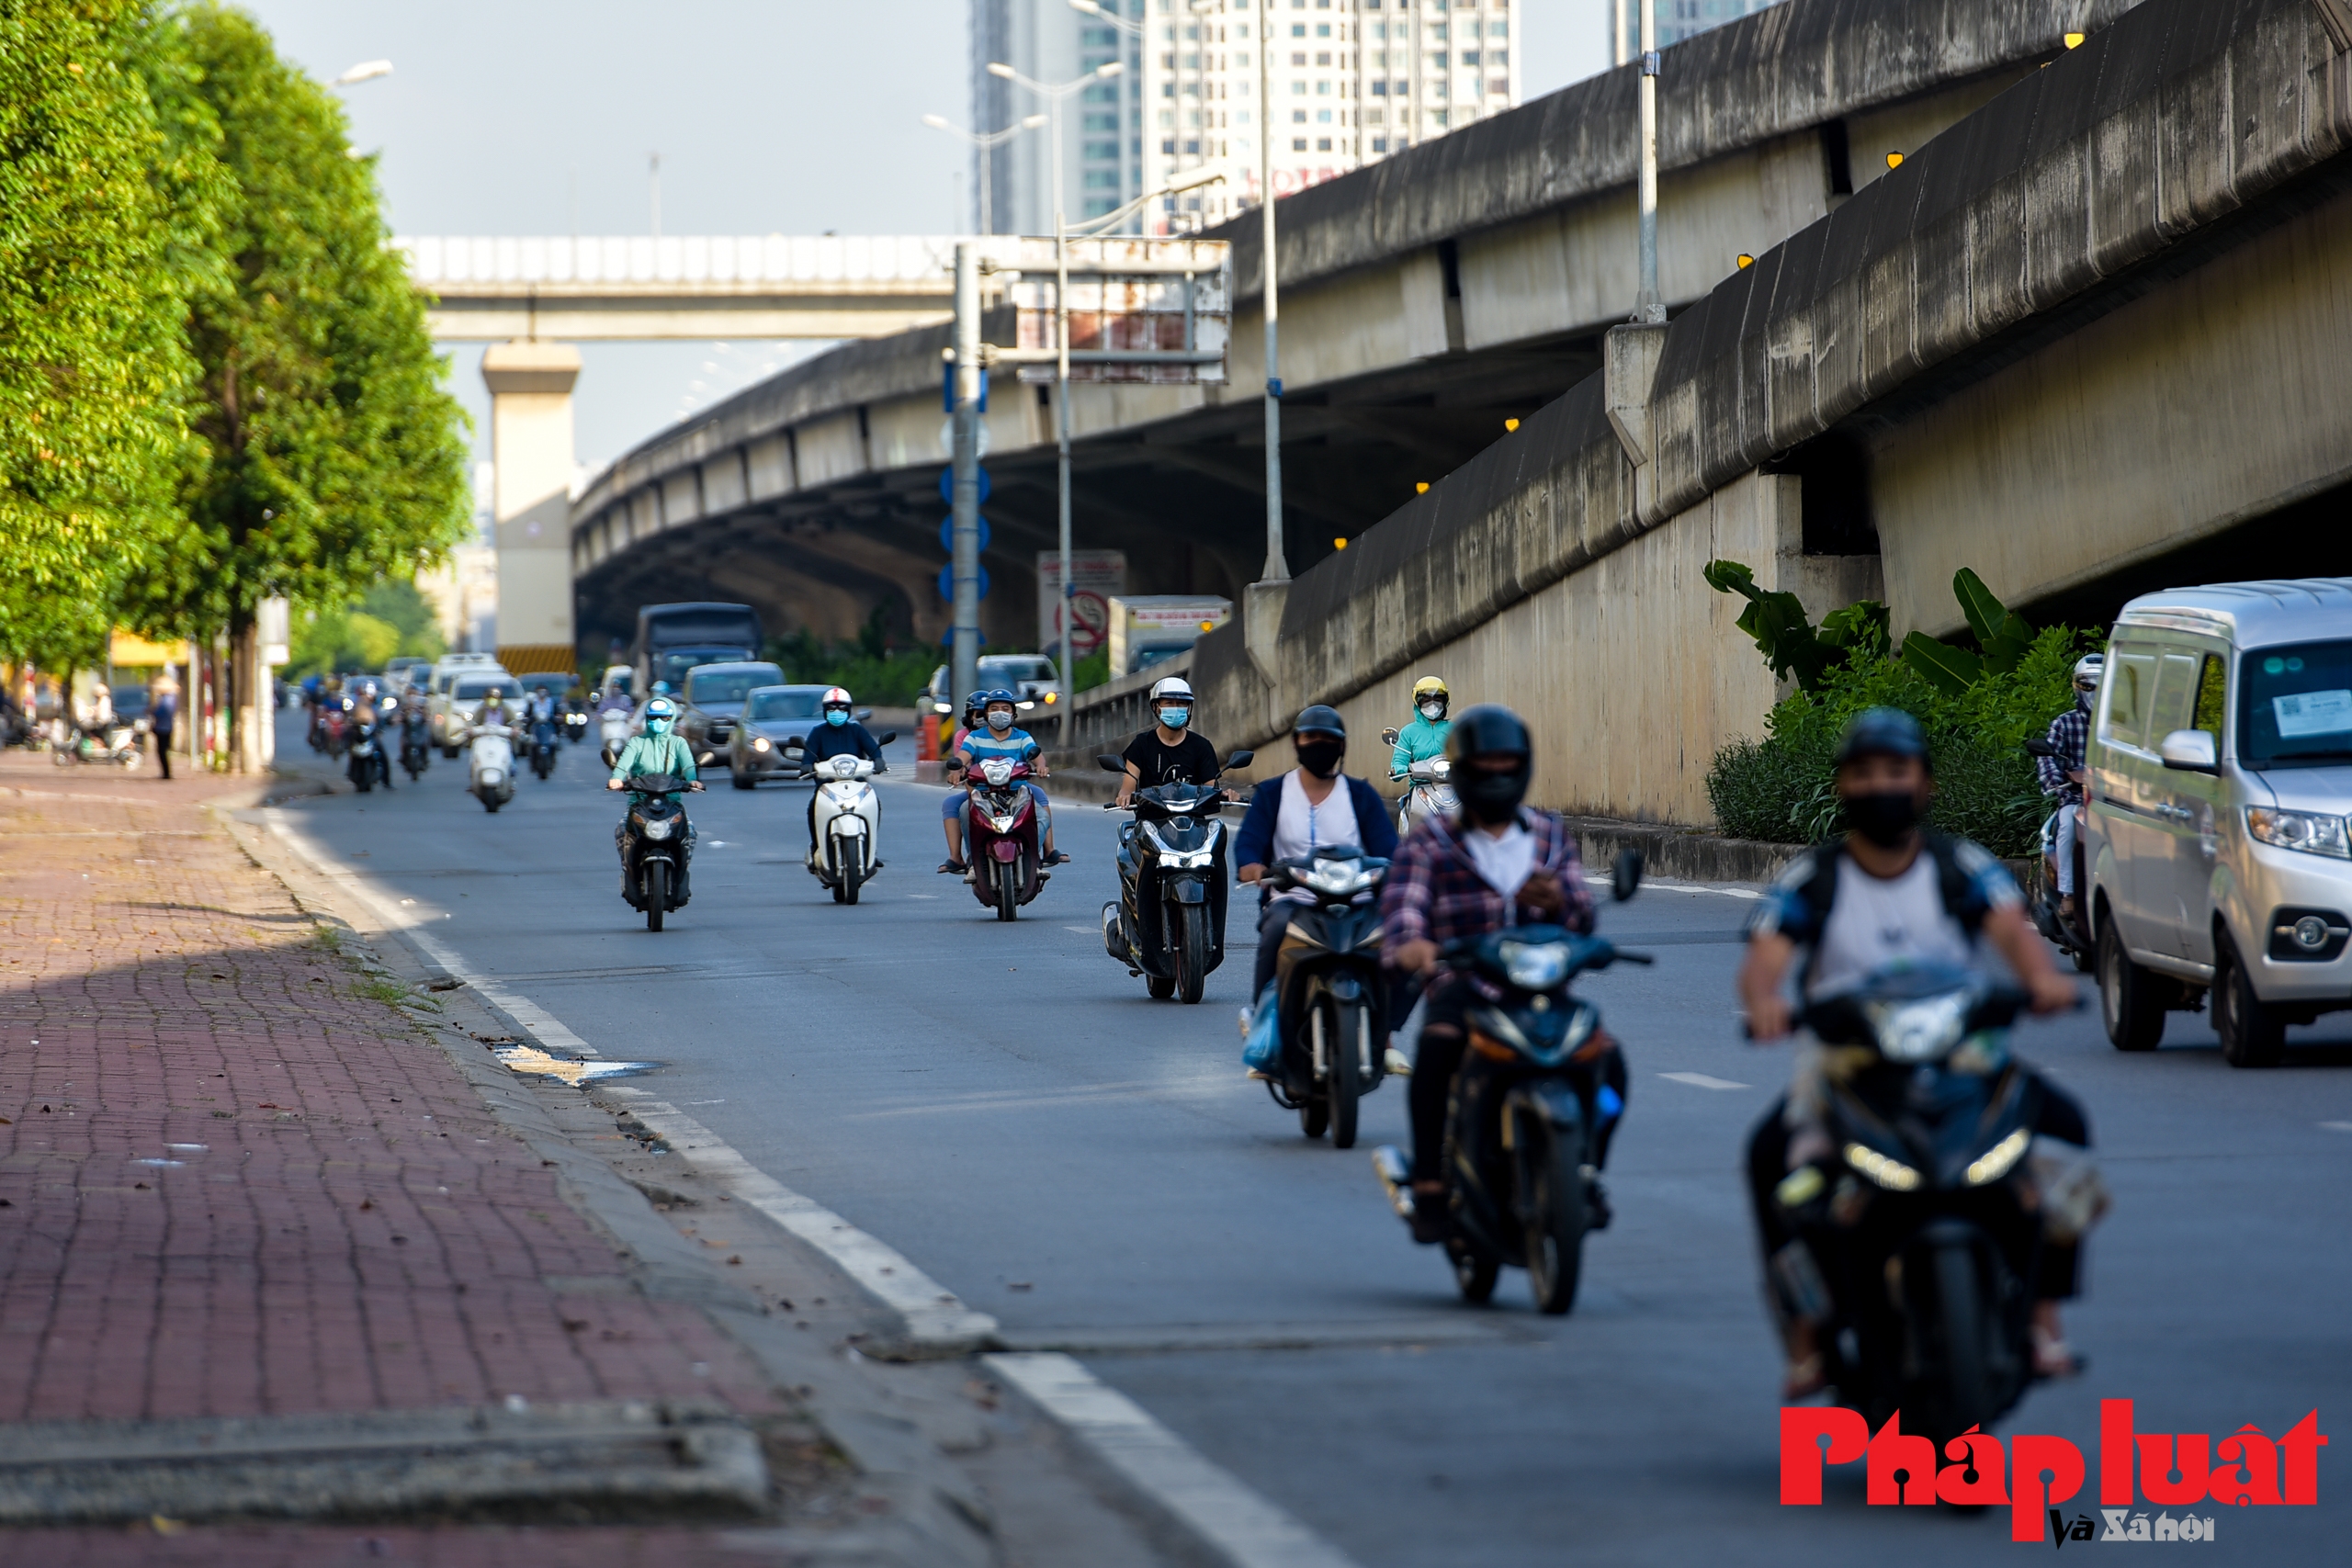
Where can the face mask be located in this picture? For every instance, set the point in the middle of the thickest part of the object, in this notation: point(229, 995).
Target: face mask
point(1175, 718)
point(657, 727)
point(1320, 758)
point(835, 715)
point(1886, 816)
point(1432, 711)
point(1490, 797)
point(1000, 721)
point(2082, 700)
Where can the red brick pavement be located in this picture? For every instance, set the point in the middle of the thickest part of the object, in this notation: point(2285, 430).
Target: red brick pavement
point(234, 1183)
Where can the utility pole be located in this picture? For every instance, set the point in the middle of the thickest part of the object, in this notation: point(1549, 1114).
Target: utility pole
point(1647, 305)
point(654, 174)
point(965, 657)
point(1277, 566)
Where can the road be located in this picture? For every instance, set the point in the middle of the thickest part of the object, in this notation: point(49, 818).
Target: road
point(1007, 1108)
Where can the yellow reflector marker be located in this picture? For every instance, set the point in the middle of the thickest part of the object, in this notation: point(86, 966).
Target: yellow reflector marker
point(1511, 424)
point(2073, 41)
point(1421, 487)
point(1894, 160)
point(1339, 544)
point(1746, 261)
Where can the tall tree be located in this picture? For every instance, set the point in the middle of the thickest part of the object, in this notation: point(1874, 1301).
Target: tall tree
point(98, 218)
point(329, 454)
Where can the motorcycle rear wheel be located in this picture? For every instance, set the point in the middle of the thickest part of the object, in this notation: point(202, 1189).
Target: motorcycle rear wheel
point(1344, 1082)
point(1192, 954)
point(657, 893)
point(1555, 1221)
point(1474, 1273)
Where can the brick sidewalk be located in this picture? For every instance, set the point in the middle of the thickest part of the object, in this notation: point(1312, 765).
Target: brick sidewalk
point(235, 1181)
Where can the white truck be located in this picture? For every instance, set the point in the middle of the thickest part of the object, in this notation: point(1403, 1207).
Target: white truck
point(1149, 628)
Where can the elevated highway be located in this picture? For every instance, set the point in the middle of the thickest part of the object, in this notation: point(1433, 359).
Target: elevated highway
point(1428, 302)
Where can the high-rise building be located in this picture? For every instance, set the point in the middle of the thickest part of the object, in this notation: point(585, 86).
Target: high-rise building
point(1353, 81)
point(1053, 42)
point(1677, 20)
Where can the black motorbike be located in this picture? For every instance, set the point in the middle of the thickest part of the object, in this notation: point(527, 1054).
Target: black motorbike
point(544, 736)
point(1330, 997)
point(657, 842)
point(1920, 1235)
point(1168, 924)
point(416, 744)
point(1528, 1110)
point(365, 764)
point(2043, 897)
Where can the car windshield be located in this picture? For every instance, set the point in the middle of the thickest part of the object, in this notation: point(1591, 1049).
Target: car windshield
point(474, 689)
point(769, 706)
point(730, 685)
point(1005, 670)
point(2295, 703)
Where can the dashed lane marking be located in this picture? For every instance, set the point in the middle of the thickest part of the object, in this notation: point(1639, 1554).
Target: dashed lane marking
point(1702, 1080)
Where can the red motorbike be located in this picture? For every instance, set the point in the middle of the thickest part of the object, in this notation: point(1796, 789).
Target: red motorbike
point(1007, 867)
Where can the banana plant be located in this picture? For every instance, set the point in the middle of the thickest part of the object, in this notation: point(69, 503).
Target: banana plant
point(1791, 643)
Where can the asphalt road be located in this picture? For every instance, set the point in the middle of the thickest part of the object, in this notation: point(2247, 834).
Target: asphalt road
point(1006, 1107)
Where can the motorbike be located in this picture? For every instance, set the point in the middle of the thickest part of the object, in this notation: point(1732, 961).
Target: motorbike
point(1920, 1236)
point(334, 727)
point(1429, 789)
point(614, 727)
point(366, 764)
point(118, 746)
point(1168, 923)
point(1528, 1110)
point(544, 735)
point(844, 818)
point(575, 723)
point(658, 841)
point(417, 746)
point(1003, 846)
point(490, 768)
point(2043, 897)
point(1330, 997)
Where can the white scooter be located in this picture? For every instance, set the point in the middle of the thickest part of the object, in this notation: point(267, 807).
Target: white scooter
point(845, 815)
point(490, 770)
point(614, 727)
point(1429, 790)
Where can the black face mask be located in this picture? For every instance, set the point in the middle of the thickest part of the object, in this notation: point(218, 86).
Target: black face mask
point(1885, 817)
point(1490, 797)
point(1320, 758)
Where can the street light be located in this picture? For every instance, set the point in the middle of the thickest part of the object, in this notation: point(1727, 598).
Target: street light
point(1649, 306)
point(1134, 30)
point(366, 71)
point(987, 142)
point(1277, 568)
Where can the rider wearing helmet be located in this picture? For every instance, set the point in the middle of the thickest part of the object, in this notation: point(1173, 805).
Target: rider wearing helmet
point(660, 750)
point(839, 734)
point(1299, 812)
point(493, 713)
point(951, 808)
point(1495, 863)
point(2063, 775)
point(998, 735)
point(1423, 740)
point(1170, 751)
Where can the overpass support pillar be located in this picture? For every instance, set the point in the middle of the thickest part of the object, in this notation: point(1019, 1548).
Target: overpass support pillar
point(1629, 365)
point(530, 440)
point(1262, 630)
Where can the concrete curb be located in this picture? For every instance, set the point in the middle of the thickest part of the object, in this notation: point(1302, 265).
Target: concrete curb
point(1687, 854)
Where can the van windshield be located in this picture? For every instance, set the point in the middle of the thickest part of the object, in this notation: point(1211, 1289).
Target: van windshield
point(730, 685)
point(2295, 705)
point(1007, 669)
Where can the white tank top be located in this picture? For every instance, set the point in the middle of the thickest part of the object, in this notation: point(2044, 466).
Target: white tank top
point(1301, 826)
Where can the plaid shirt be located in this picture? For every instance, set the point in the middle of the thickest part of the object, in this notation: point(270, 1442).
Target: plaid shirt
point(1435, 893)
point(2070, 732)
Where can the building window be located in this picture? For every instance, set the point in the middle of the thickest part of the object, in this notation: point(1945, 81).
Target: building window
point(1168, 145)
point(1323, 117)
point(1298, 89)
point(1298, 117)
point(1298, 29)
point(1191, 147)
point(1298, 57)
point(1298, 143)
point(1499, 57)
point(1470, 57)
point(1100, 151)
point(1100, 122)
point(1101, 179)
point(1323, 58)
point(1380, 144)
point(1437, 117)
point(1322, 30)
point(1322, 144)
point(1323, 89)
point(1499, 86)
point(1379, 89)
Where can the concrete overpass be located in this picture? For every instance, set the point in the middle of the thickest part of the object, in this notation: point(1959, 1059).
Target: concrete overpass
point(2090, 339)
point(1427, 302)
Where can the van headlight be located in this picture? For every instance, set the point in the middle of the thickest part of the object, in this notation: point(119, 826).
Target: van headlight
point(2305, 830)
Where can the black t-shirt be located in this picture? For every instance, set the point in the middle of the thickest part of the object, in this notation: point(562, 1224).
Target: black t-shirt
point(1190, 761)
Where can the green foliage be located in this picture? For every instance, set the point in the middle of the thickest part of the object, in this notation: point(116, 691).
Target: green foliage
point(872, 671)
point(98, 215)
point(329, 455)
point(1791, 643)
point(1091, 672)
point(1778, 789)
point(365, 634)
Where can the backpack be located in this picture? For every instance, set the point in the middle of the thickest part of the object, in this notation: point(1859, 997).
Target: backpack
point(1958, 863)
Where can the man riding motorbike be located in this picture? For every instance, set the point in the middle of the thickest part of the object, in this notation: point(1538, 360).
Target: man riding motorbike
point(1423, 740)
point(998, 736)
point(1495, 863)
point(1891, 894)
point(1168, 752)
point(659, 750)
point(839, 735)
point(2064, 774)
point(493, 713)
point(1294, 814)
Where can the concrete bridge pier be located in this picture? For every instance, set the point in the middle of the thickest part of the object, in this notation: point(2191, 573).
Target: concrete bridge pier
point(530, 436)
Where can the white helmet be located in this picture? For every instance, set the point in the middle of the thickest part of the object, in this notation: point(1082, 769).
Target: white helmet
point(1171, 686)
point(2087, 671)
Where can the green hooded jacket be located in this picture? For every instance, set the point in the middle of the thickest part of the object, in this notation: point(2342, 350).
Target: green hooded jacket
point(656, 754)
point(1419, 741)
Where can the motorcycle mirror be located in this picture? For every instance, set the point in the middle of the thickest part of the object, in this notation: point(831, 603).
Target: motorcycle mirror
point(1110, 764)
point(888, 736)
point(1388, 738)
point(1241, 758)
point(865, 714)
point(1626, 877)
point(704, 759)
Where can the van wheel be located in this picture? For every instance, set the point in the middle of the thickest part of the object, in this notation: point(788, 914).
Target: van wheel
point(2131, 1002)
point(2253, 1034)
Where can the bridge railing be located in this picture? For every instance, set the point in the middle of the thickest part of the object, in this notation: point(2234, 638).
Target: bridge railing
point(1105, 718)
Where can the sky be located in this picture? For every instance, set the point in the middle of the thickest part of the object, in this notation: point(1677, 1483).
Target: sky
point(794, 117)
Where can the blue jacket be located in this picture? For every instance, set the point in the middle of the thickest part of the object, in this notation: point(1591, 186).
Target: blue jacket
point(1254, 844)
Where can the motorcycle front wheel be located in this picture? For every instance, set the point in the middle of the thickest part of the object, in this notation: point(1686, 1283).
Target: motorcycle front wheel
point(852, 867)
point(1474, 1273)
point(1551, 1176)
point(1008, 891)
point(1968, 1384)
point(1190, 952)
point(1344, 1083)
point(657, 892)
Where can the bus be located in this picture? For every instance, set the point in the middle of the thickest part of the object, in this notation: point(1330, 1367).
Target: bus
point(673, 638)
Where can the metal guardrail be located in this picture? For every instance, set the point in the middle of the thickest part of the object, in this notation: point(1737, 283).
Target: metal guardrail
point(1105, 718)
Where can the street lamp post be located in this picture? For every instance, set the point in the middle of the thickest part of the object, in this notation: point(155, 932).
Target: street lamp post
point(987, 142)
point(1649, 306)
point(1054, 96)
point(1277, 566)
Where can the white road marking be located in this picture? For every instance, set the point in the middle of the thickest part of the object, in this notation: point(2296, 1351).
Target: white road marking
point(1250, 1531)
point(2337, 1126)
point(1702, 1080)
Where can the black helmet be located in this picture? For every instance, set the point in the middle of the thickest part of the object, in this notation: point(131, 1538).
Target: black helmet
point(1320, 719)
point(1884, 732)
point(1489, 729)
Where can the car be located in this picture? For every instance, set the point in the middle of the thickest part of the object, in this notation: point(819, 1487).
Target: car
point(712, 700)
point(1030, 677)
point(404, 672)
point(2215, 839)
point(445, 670)
point(449, 713)
point(776, 721)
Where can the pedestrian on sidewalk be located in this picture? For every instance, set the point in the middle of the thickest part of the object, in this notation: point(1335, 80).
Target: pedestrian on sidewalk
point(163, 716)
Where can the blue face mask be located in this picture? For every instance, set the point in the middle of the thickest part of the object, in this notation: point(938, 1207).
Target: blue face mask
point(835, 715)
point(1175, 718)
point(657, 727)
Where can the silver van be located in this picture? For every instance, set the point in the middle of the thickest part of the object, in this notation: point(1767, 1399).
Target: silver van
point(2221, 780)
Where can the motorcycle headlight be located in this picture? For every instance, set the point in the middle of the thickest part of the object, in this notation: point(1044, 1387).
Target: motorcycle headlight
point(1891, 1174)
point(1338, 878)
point(1995, 1162)
point(1535, 966)
point(1002, 824)
point(657, 829)
point(1922, 1030)
point(2305, 830)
